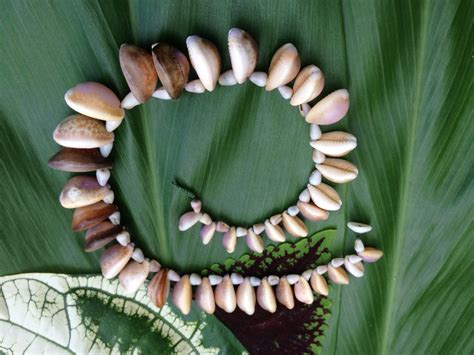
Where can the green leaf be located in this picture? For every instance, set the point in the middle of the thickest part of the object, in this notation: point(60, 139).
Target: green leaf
point(245, 152)
point(58, 313)
point(301, 328)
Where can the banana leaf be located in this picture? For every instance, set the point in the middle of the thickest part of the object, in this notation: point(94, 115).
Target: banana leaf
point(244, 152)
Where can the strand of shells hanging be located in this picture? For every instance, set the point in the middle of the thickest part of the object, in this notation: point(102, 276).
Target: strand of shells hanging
point(87, 141)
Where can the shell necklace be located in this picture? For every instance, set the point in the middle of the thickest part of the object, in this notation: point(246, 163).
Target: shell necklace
point(91, 196)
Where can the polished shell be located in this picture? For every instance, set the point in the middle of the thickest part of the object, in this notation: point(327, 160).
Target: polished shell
point(79, 160)
point(330, 109)
point(294, 225)
point(246, 298)
point(284, 293)
point(204, 296)
point(82, 191)
point(338, 170)
point(133, 275)
point(100, 235)
point(88, 216)
point(335, 144)
point(319, 284)
point(308, 85)
point(325, 197)
point(205, 59)
point(284, 66)
point(114, 259)
point(312, 212)
point(182, 295)
point(224, 295)
point(274, 232)
point(266, 297)
point(254, 241)
point(159, 288)
point(243, 52)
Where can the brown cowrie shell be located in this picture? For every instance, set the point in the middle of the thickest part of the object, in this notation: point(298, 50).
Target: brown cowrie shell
point(370, 255)
point(88, 216)
point(78, 160)
point(204, 296)
point(138, 70)
point(243, 51)
point(207, 232)
point(78, 131)
point(294, 225)
point(331, 109)
point(188, 220)
point(338, 275)
point(246, 297)
point(356, 269)
point(134, 275)
point(266, 297)
point(319, 284)
point(325, 197)
point(224, 295)
point(95, 100)
point(284, 66)
point(172, 67)
point(159, 288)
point(284, 293)
point(254, 241)
point(100, 235)
point(114, 259)
point(308, 85)
point(82, 191)
point(274, 233)
point(312, 212)
point(338, 170)
point(183, 295)
point(205, 59)
point(303, 292)
point(335, 144)
point(229, 240)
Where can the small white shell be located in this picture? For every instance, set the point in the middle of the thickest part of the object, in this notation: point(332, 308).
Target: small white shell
point(137, 255)
point(354, 258)
point(129, 101)
point(307, 274)
point(196, 205)
point(161, 94)
point(255, 281)
point(321, 269)
point(259, 78)
point(236, 279)
point(356, 269)
point(315, 178)
point(292, 278)
point(273, 280)
point(336, 262)
point(358, 227)
point(359, 246)
point(123, 238)
point(241, 232)
point(293, 210)
point(106, 149)
point(318, 157)
point(258, 228)
point(285, 92)
point(115, 218)
point(304, 109)
point(195, 87)
point(173, 276)
point(314, 132)
point(195, 279)
point(304, 196)
point(111, 126)
point(205, 219)
point(215, 279)
point(109, 198)
point(227, 78)
point(103, 175)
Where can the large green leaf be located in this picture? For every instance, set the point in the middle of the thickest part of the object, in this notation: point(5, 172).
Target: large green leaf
point(408, 66)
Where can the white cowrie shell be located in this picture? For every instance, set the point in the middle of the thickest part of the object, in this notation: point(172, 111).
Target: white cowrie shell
point(103, 175)
point(246, 297)
point(356, 269)
point(243, 52)
point(293, 210)
point(241, 232)
point(304, 196)
point(259, 78)
point(294, 225)
point(155, 266)
point(359, 246)
point(274, 233)
point(227, 78)
point(188, 220)
point(207, 232)
point(325, 197)
point(308, 85)
point(358, 227)
point(129, 101)
point(338, 275)
point(338, 170)
point(273, 280)
point(236, 279)
point(292, 278)
point(133, 275)
point(215, 279)
point(284, 66)
point(137, 255)
point(315, 178)
point(109, 198)
point(266, 297)
point(195, 87)
point(322, 269)
point(318, 157)
point(182, 295)
point(115, 218)
point(284, 293)
point(111, 126)
point(303, 292)
point(229, 240)
point(195, 279)
point(161, 94)
point(319, 284)
point(224, 295)
point(285, 92)
point(123, 238)
point(336, 262)
point(255, 281)
point(106, 149)
point(204, 296)
point(254, 241)
point(173, 276)
point(205, 59)
point(335, 144)
point(314, 132)
point(330, 109)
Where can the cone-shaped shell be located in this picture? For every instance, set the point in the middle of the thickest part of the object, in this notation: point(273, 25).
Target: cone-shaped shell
point(331, 109)
point(370, 255)
point(95, 100)
point(138, 70)
point(229, 240)
point(204, 296)
point(82, 191)
point(312, 212)
point(183, 295)
point(284, 293)
point(275, 233)
point(284, 66)
point(266, 297)
point(335, 144)
point(134, 275)
point(243, 52)
point(159, 288)
point(78, 160)
point(356, 269)
point(78, 131)
point(207, 232)
point(100, 235)
point(325, 197)
point(338, 170)
point(246, 297)
point(88, 216)
point(205, 59)
point(338, 275)
point(294, 225)
point(319, 284)
point(224, 295)
point(308, 85)
point(254, 241)
point(172, 67)
point(114, 259)
point(303, 292)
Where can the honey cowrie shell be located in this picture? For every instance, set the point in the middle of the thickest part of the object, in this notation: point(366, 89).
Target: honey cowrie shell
point(338, 275)
point(204, 296)
point(205, 59)
point(312, 212)
point(254, 241)
point(183, 295)
point(331, 109)
point(284, 66)
point(134, 275)
point(224, 295)
point(325, 197)
point(78, 160)
point(274, 232)
point(88, 216)
point(266, 297)
point(159, 288)
point(338, 170)
point(319, 284)
point(356, 269)
point(229, 240)
point(308, 85)
point(335, 144)
point(78, 131)
point(294, 225)
point(172, 67)
point(303, 292)
point(207, 232)
point(114, 259)
point(246, 297)
point(95, 100)
point(370, 255)
point(138, 70)
point(101, 235)
point(82, 191)
point(243, 51)
point(284, 293)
